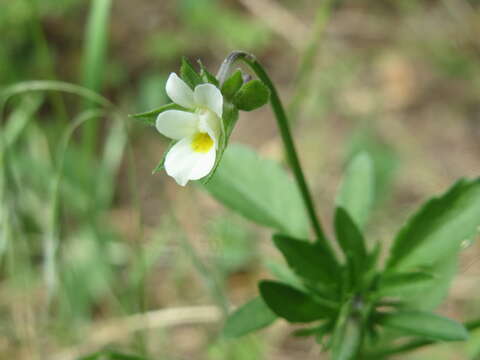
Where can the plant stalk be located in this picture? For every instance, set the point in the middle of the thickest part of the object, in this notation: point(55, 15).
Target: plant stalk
point(285, 132)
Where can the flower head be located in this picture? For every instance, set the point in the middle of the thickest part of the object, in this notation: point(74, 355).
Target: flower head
point(197, 129)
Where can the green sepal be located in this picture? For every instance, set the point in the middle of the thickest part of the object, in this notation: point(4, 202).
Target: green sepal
point(232, 85)
point(207, 76)
point(252, 316)
point(161, 164)
point(149, 117)
point(189, 75)
point(252, 95)
point(292, 304)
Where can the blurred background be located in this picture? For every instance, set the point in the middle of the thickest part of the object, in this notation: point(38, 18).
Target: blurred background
point(90, 240)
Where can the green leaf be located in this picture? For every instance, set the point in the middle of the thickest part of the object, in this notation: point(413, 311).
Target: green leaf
point(431, 295)
point(425, 324)
point(207, 76)
point(161, 164)
point(392, 284)
point(292, 304)
point(252, 316)
point(437, 230)
point(150, 117)
point(232, 85)
point(347, 340)
point(357, 191)
point(309, 260)
point(189, 75)
point(251, 96)
point(352, 243)
point(260, 190)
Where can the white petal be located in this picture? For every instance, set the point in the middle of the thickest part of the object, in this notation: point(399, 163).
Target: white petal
point(179, 92)
point(177, 124)
point(210, 123)
point(209, 96)
point(184, 164)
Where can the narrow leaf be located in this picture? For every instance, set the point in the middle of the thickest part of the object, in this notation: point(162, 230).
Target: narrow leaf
point(292, 304)
point(438, 228)
point(189, 75)
point(207, 76)
point(151, 116)
point(260, 190)
point(252, 316)
point(352, 243)
point(357, 191)
point(399, 283)
point(309, 260)
point(425, 324)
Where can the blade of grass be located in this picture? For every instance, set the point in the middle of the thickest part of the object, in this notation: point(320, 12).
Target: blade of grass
point(95, 49)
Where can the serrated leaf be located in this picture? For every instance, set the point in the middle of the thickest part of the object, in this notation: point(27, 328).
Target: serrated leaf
point(232, 85)
point(292, 304)
point(352, 243)
point(150, 117)
point(425, 324)
point(252, 316)
point(357, 191)
point(310, 261)
point(189, 75)
point(400, 283)
point(252, 95)
point(260, 190)
point(437, 230)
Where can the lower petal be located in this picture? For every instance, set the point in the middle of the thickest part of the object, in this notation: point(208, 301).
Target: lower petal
point(184, 164)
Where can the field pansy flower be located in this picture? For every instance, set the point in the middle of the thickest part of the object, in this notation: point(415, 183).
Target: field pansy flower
point(197, 129)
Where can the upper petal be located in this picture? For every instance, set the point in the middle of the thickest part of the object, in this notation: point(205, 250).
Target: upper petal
point(210, 97)
point(179, 92)
point(177, 124)
point(184, 164)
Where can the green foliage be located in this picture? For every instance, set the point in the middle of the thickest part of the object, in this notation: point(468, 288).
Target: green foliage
point(259, 190)
point(252, 95)
point(357, 192)
point(292, 304)
point(425, 324)
point(149, 117)
point(252, 316)
point(309, 260)
point(438, 228)
point(189, 74)
point(232, 85)
point(401, 283)
point(347, 339)
point(352, 243)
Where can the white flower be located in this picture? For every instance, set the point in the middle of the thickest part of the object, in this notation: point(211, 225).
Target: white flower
point(197, 130)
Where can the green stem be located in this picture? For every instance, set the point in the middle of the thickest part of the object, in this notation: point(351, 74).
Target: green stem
point(414, 344)
point(283, 125)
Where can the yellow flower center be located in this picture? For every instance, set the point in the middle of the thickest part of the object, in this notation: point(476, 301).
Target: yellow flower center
point(202, 143)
